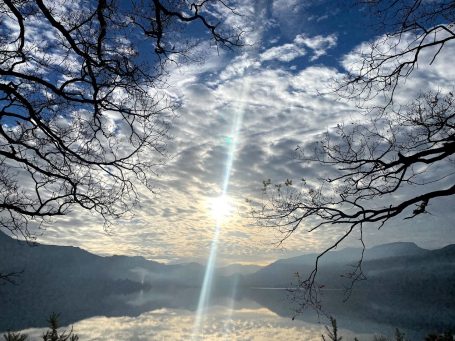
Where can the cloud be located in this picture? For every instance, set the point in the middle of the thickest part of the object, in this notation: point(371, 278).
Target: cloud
point(317, 46)
point(282, 6)
point(239, 66)
point(283, 53)
point(318, 18)
point(280, 109)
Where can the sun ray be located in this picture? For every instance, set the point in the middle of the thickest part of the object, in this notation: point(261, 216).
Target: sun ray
point(206, 288)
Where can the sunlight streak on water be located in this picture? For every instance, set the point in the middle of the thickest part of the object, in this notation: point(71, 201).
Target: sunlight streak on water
point(204, 296)
point(247, 323)
point(230, 308)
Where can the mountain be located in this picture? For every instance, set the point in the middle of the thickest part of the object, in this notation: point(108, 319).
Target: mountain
point(384, 259)
point(49, 262)
point(238, 269)
point(348, 255)
point(406, 286)
point(398, 249)
point(77, 283)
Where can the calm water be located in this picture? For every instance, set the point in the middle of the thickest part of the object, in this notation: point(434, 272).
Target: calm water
point(254, 323)
point(251, 315)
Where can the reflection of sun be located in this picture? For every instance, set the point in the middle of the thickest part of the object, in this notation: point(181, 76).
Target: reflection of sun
point(221, 208)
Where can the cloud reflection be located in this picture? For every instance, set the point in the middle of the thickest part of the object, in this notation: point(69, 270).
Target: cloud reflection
point(246, 323)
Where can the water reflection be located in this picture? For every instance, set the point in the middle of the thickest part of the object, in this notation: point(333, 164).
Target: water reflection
point(243, 314)
point(247, 322)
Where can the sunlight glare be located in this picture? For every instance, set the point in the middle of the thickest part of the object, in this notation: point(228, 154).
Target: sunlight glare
point(221, 208)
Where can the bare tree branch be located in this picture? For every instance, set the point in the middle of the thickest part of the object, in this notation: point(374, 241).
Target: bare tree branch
point(416, 32)
point(10, 277)
point(394, 163)
point(82, 119)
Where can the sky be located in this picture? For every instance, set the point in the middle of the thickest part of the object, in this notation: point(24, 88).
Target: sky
point(255, 104)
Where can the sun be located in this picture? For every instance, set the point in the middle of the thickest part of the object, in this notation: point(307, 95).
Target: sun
point(221, 208)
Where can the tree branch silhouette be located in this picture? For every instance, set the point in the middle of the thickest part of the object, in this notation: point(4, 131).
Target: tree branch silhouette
point(395, 162)
point(82, 118)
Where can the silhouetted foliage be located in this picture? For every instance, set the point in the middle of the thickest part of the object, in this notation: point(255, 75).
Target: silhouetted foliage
point(12, 336)
point(399, 336)
point(54, 335)
point(50, 335)
point(332, 333)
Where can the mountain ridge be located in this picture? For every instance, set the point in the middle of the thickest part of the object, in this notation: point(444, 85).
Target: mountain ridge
point(342, 256)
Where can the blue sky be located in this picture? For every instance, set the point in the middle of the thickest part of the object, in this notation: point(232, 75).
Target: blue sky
point(265, 100)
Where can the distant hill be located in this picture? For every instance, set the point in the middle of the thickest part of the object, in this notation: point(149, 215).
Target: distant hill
point(66, 262)
point(238, 269)
point(382, 260)
point(51, 262)
point(406, 286)
point(77, 283)
point(348, 255)
point(398, 249)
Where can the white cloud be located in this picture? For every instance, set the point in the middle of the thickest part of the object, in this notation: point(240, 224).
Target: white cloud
point(317, 18)
point(238, 66)
point(281, 7)
point(317, 46)
point(280, 109)
point(283, 53)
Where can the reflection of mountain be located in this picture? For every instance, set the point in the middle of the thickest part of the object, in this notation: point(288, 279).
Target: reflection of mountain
point(407, 286)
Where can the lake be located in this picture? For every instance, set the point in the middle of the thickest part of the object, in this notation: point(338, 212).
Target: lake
point(252, 314)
